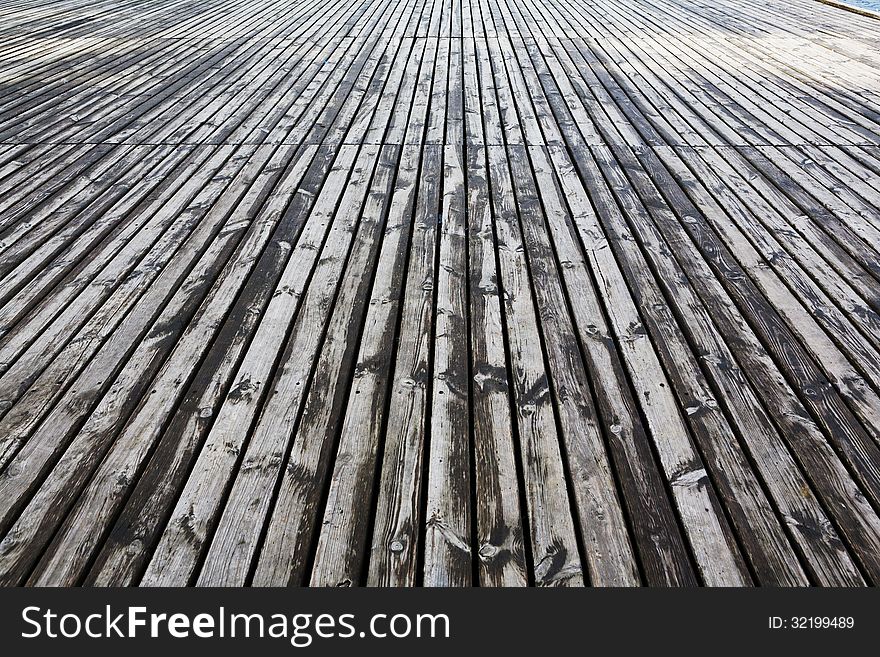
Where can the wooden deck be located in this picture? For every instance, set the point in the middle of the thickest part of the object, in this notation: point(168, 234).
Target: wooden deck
point(441, 292)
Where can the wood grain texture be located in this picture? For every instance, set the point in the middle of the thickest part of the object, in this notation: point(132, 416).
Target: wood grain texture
point(439, 292)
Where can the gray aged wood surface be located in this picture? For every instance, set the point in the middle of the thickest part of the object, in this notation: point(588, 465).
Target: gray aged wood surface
point(441, 292)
